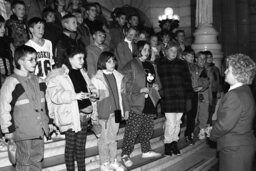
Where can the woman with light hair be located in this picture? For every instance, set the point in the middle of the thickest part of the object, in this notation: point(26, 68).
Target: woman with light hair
point(233, 129)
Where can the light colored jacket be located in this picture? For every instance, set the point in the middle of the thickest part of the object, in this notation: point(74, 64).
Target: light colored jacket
point(103, 90)
point(61, 99)
point(18, 114)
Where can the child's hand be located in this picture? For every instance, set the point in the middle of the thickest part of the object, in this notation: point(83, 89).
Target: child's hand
point(9, 136)
point(82, 95)
point(156, 86)
point(144, 90)
point(51, 127)
point(95, 121)
point(197, 89)
point(126, 115)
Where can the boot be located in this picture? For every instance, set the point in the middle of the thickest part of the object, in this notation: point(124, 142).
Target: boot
point(175, 148)
point(167, 149)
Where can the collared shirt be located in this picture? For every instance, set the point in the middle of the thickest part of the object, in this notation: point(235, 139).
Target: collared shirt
point(236, 85)
point(129, 43)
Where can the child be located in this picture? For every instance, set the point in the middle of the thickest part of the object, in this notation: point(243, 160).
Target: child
point(42, 46)
point(16, 24)
point(142, 87)
point(67, 94)
point(192, 102)
point(91, 21)
point(175, 78)
point(6, 58)
point(22, 110)
point(75, 5)
point(124, 50)
point(82, 28)
point(52, 30)
point(7, 11)
point(213, 71)
point(108, 83)
point(204, 95)
point(94, 50)
point(60, 10)
point(69, 38)
point(117, 31)
point(155, 48)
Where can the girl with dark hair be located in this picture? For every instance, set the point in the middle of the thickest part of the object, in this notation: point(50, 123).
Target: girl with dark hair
point(142, 87)
point(108, 110)
point(69, 99)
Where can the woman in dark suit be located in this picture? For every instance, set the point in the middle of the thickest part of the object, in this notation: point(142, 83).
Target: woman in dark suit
point(233, 129)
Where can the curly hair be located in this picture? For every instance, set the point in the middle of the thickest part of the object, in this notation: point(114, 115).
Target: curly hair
point(243, 67)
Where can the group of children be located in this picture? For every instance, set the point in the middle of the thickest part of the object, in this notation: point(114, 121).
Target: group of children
point(85, 71)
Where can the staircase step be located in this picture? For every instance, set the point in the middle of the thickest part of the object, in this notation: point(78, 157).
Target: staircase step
point(167, 161)
point(140, 163)
point(54, 151)
point(199, 160)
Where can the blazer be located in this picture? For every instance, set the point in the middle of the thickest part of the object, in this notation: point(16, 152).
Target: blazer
point(134, 80)
point(234, 126)
point(123, 54)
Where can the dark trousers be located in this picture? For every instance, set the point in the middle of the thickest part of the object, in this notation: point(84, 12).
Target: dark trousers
point(29, 155)
point(141, 127)
point(212, 107)
point(238, 158)
point(75, 148)
point(191, 115)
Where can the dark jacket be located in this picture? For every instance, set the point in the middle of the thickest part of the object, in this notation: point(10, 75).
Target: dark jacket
point(52, 32)
point(176, 84)
point(234, 125)
point(63, 44)
point(123, 54)
point(17, 30)
point(117, 35)
point(134, 80)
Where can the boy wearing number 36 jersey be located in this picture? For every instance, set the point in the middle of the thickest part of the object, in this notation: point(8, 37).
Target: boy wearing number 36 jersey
point(42, 46)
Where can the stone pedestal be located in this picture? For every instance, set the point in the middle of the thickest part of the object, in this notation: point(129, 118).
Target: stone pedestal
point(206, 39)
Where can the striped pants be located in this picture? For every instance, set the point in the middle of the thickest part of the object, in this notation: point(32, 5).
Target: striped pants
point(141, 127)
point(75, 148)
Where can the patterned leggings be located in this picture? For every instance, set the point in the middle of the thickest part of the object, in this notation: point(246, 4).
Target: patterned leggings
point(139, 126)
point(75, 147)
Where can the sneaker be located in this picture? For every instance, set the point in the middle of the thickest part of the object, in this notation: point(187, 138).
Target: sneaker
point(126, 161)
point(201, 134)
point(3, 145)
point(117, 166)
point(106, 167)
point(150, 154)
point(189, 140)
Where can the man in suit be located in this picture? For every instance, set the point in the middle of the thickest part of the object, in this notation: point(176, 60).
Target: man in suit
point(124, 50)
point(233, 129)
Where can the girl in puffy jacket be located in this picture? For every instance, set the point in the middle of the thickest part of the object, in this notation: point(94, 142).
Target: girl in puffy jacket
point(109, 110)
point(68, 96)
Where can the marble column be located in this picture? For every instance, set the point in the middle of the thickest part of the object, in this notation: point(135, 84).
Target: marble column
point(205, 35)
